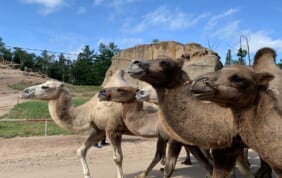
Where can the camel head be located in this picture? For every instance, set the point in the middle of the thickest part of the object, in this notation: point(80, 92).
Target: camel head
point(160, 72)
point(147, 93)
point(47, 91)
point(118, 94)
point(232, 86)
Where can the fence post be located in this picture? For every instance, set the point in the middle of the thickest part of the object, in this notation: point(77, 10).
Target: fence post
point(46, 127)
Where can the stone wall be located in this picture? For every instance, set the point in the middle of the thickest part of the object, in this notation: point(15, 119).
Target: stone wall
point(199, 59)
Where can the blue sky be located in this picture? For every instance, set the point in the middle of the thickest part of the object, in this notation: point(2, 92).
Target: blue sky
point(68, 25)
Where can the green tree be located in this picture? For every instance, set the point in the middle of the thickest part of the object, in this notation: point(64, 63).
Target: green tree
point(44, 61)
point(280, 63)
point(228, 59)
point(241, 56)
point(83, 68)
point(104, 60)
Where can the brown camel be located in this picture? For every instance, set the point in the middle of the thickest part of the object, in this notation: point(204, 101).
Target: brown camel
point(89, 116)
point(187, 120)
point(264, 61)
point(256, 111)
point(146, 124)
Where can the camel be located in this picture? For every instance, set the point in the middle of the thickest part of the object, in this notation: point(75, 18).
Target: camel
point(146, 124)
point(190, 121)
point(264, 61)
point(87, 117)
point(99, 118)
point(256, 110)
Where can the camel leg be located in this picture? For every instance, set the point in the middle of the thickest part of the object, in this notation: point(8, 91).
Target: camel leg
point(224, 162)
point(160, 152)
point(187, 160)
point(201, 157)
point(163, 161)
point(92, 139)
point(244, 164)
point(174, 149)
point(115, 138)
point(264, 171)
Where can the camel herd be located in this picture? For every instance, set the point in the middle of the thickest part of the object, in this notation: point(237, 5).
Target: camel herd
point(243, 111)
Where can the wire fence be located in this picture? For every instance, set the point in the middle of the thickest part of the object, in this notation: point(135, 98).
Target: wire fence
point(46, 120)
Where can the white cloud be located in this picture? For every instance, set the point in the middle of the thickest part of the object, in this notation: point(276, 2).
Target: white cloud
point(228, 31)
point(261, 39)
point(216, 18)
point(49, 6)
point(165, 18)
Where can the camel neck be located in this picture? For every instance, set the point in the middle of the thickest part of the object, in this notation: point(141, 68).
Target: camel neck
point(192, 122)
point(138, 121)
point(64, 114)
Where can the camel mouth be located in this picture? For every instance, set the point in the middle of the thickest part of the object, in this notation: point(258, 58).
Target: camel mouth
point(137, 69)
point(103, 97)
point(201, 91)
point(25, 95)
point(136, 74)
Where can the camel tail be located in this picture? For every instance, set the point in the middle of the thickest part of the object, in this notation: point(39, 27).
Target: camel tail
point(263, 51)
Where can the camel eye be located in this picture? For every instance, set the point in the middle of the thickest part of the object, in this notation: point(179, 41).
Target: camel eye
point(164, 64)
point(44, 87)
point(236, 79)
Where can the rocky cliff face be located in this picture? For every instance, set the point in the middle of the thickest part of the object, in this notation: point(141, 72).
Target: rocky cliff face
point(199, 59)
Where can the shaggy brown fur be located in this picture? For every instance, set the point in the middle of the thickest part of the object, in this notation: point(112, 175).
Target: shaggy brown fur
point(183, 118)
point(254, 108)
point(146, 124)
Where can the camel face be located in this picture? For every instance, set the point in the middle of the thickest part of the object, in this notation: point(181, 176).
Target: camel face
point(232, 86)
point(146, 94)
point(46, 91)
point(157, 72)
point(118, 94)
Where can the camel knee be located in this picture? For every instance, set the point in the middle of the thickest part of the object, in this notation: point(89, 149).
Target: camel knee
point(81, 152)
point(117, 159)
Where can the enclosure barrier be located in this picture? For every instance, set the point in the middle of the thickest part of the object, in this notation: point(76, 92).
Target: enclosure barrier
point(31, 120)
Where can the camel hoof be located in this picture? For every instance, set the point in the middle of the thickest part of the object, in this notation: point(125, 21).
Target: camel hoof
point(186, 162)
point(142, 175)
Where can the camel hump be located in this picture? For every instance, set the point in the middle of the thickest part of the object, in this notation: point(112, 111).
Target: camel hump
point(263, 51)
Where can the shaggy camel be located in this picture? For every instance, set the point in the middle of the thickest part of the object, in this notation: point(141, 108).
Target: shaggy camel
point(190, 121)
point(256, 111)
point(146, 124)
point(89, 116)
point(264, 61)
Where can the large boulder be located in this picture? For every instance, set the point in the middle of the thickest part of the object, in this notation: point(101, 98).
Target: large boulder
point(199, 59)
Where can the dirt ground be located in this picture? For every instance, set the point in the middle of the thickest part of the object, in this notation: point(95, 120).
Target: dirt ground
point(55, 157)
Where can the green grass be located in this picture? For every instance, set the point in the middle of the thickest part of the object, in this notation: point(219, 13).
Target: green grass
point(28, 128)
point(32, 109)
point(35, 109)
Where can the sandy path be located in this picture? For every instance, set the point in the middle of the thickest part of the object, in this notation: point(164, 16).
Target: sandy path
point(55, 157)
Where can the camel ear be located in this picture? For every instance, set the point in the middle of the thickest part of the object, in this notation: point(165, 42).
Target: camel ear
point(180, 62)
point(62, 85)
point(264, 78)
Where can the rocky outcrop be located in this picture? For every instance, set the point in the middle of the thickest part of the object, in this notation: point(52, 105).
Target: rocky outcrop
point(199, 59)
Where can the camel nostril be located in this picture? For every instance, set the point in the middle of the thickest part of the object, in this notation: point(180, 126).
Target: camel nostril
point(102, 91)
point(136, 62)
